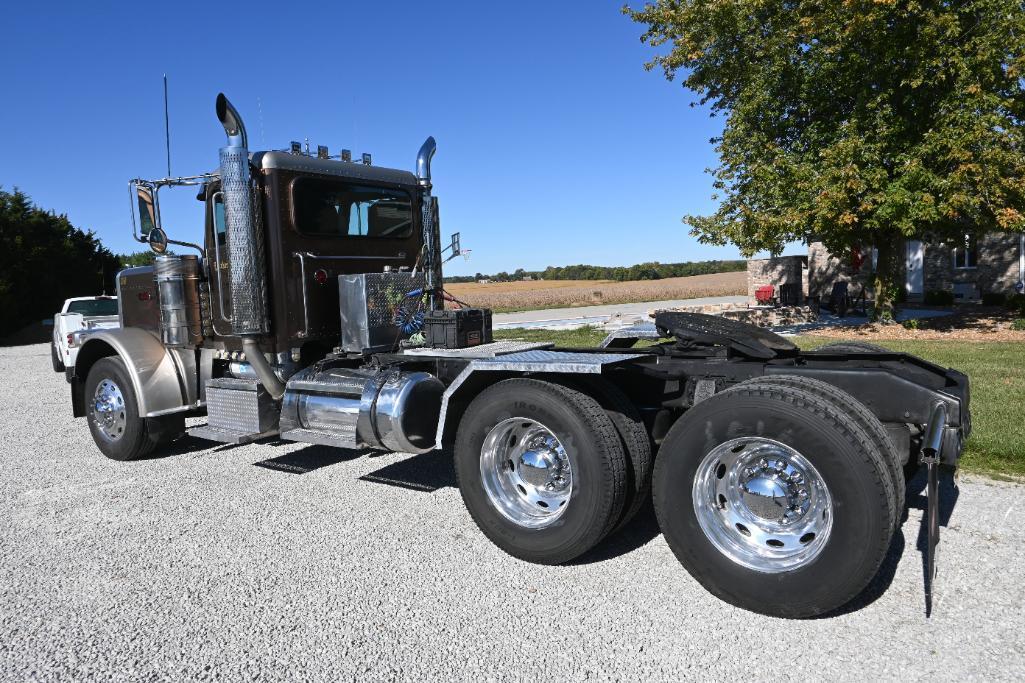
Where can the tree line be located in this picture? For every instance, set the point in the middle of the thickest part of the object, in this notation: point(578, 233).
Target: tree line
point(652, 270)
point(45, 259)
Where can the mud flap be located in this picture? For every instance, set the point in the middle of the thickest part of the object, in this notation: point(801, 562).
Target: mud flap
point(932, 452)
point(932, 496)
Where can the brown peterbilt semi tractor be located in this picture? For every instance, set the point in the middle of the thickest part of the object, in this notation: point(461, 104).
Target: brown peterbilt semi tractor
point(314, 311)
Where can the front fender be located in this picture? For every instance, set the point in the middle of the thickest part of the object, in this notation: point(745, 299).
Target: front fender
point(158, 386)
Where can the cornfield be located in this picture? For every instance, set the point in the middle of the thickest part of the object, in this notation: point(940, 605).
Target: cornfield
point(531, 295)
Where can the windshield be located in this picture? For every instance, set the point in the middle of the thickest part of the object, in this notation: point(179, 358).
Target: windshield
point(333, 209)
point(89, 307)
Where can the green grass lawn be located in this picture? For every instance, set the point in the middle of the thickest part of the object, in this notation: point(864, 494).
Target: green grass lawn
point(996, 371)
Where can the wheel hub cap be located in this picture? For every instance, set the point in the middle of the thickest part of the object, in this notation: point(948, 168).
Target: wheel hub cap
point(526, 472)
point(762, 504)
point(108, 408)
point(775, 491)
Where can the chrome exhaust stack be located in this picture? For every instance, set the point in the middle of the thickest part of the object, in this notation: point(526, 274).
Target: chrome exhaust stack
point(431, 232)
point(423, 162)
point(243, 227)
point(244, 233)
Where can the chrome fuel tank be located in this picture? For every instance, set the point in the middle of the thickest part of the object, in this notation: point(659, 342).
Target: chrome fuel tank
point(384, 409)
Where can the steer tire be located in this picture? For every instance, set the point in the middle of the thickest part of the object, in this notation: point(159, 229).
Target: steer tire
point(598, 468)
point(635, 439)
point(853, 347)
point(136, 438)
point(850, 549)
point(55, 358)
point(857, 411)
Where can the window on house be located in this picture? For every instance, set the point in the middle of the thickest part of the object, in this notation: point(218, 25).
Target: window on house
point(965, 252)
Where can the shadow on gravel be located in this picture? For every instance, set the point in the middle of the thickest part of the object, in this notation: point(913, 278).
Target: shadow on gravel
point(309, 459)
point(915, 499)
point(183, 445)
point(426, 472)
point(638, 532)
point(880, 582)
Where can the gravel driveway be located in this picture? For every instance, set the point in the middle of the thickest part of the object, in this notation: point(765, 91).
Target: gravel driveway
point(290, 561)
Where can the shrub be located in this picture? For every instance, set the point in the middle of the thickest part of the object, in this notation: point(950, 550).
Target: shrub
point(911, 324)
point(938, 297)
point(994, 299)
point(1018, 324)
point(1016, 302)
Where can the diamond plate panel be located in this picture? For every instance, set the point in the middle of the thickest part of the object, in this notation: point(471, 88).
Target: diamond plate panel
point(640, 331)
point(552, 361)
point(368, 303)
point(243, 408)
point(499, 348)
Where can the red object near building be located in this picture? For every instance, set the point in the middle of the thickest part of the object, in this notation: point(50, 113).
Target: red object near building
point(765, 294)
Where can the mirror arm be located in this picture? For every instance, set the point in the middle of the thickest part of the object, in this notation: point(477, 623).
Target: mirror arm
point(188, 244)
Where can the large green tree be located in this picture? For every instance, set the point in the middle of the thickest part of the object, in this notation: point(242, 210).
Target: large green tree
point(44, 259)
point(858, 121)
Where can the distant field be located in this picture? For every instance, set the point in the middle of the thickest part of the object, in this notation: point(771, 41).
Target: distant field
point(526, 296)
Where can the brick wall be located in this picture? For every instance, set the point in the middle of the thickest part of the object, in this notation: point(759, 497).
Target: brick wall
point(825, 269)
point(778, 270)
point(996, 269)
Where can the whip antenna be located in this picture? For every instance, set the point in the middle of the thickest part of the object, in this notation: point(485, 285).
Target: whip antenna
point(167, 129)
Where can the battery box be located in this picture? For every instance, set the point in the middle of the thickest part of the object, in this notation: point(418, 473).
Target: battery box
point(458, 328)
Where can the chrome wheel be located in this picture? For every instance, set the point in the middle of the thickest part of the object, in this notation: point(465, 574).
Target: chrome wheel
point(526, 472)
point(762, 504)
point(108, 410)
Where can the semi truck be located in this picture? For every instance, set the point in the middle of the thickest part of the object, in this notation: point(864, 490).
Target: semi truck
point(314, 311)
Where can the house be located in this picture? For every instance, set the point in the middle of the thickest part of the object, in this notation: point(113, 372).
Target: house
point(966, 268)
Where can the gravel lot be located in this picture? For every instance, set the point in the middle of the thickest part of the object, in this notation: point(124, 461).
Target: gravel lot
point(286, 561)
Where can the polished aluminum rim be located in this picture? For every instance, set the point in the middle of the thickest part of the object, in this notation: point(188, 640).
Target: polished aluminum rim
point(109, 410)
point(762, 504)
point(526, 472)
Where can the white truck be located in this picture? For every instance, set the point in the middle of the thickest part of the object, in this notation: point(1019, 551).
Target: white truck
point(79, 316)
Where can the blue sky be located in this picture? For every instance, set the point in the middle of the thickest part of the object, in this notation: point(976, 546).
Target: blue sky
point(554, 145)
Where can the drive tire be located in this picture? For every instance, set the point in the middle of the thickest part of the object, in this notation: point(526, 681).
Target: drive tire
point(860, 413)
point(136, 439)
point(845, 458)
point(634, 438)
point(55, 358)
point(598, 465)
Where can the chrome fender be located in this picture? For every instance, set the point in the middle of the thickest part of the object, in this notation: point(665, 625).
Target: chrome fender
point(154, 371)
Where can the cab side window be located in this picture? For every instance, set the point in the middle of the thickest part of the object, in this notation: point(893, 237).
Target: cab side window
point(218, 209)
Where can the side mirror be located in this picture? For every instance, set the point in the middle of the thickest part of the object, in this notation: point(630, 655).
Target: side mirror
point(147, 212)
point(157, 240)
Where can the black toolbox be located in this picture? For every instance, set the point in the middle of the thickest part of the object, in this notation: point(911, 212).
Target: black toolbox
point(458, 328)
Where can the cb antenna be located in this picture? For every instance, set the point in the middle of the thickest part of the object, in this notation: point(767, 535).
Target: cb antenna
point(167, 129)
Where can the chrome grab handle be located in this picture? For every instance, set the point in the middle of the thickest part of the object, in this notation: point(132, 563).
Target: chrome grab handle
point(302, 276)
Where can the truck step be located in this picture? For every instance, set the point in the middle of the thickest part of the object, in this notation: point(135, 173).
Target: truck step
point(343, 438)
point(241, 407)
point(211, 433)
